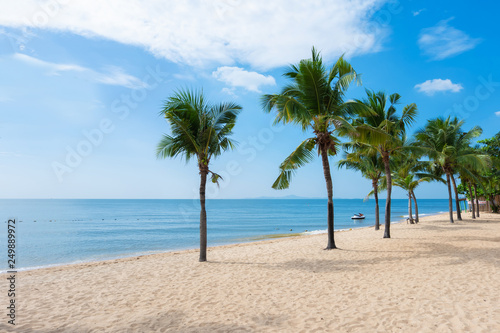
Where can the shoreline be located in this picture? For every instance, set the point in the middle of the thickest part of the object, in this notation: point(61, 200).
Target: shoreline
point(238, 241)
point(252, 240)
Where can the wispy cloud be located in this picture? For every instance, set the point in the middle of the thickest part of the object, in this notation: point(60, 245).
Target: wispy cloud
point(238, 77)
point(229, 91)
point(12, 154)
point(497, 113)
point(54, 68)
point(430, 87)
point(184, 77)
point(418, 12)
point(112, 75)
point(264, 34)
point(443, 41)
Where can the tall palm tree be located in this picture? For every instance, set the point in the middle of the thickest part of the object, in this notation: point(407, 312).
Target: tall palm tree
point(472, 174)
point(371, 167)
point(313, 100)
point(491, 181)
point(199, 130)
point(383, 130)
point(447, 145)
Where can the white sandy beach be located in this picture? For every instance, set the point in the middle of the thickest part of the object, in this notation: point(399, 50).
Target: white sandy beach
point(430, 277)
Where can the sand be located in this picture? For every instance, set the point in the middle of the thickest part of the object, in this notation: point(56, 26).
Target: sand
point(430, 277)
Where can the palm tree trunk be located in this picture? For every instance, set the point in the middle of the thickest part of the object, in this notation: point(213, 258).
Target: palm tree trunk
point(450, 198)
point(377, 208)
point(472, 201)
point(410, 214)
point(416, 206)
point(494, 206)
point(329, 189)
point(387, 231)
point(457, 201)
point(203, 216)
point(477, 200)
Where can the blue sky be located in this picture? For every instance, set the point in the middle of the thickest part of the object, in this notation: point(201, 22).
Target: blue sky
point(82, 84)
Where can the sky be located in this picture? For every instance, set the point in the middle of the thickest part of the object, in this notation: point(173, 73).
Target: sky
point(82, 84)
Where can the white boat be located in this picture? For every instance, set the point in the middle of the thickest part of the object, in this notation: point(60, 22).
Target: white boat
point(358, 216)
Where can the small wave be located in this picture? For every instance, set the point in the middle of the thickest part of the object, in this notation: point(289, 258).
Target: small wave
point(30, 268)
point(315, 232)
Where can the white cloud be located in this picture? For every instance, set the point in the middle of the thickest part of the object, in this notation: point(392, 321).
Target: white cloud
point(238, 77)
point(430, 87)
point(117, 77)
point(229, 91)
point(54, 69)
point(497, 113)
point(443, 41)
point(112, 75)
point(184, 77)
point(418, 12)
point(262, 33)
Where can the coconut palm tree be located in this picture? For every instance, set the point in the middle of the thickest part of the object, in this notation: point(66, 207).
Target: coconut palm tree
point(371, 167)
point(447, 145)
point(408, 174)
point(383, 130)
point(473, 174)
point(199, 130)
point(491, 181)
point(313, 100)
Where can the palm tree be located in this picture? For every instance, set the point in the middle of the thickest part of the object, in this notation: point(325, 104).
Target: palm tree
point(446, 144)
point(472, 174)
point(384, 131)
point(408, 175)
point(491, 179)
point(371, 167)
point(201, 131)
point(314, 99)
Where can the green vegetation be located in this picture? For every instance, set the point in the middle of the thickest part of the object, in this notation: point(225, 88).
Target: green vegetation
point(383, 131)
point(378, 144)
point(448, 146)
point(201, 131)
point(484, 182)
point(314, 100)
point(371, 166)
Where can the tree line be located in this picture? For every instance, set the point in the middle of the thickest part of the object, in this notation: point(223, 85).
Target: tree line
point(374, 132)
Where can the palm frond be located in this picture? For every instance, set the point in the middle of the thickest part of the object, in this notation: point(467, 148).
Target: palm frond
point(300, 156)
point(197, 128)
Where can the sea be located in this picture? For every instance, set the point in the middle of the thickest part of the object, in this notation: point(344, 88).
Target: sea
point(50, 232)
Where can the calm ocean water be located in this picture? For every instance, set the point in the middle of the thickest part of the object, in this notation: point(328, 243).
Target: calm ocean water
point(53, 232)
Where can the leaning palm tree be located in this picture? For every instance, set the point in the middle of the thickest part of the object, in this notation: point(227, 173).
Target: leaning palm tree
point(447, 145)
point(371, 167)
point(201, 131)
point(314, 99)
point(383, 123)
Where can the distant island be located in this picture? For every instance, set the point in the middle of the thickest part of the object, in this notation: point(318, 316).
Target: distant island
point(288, 197)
